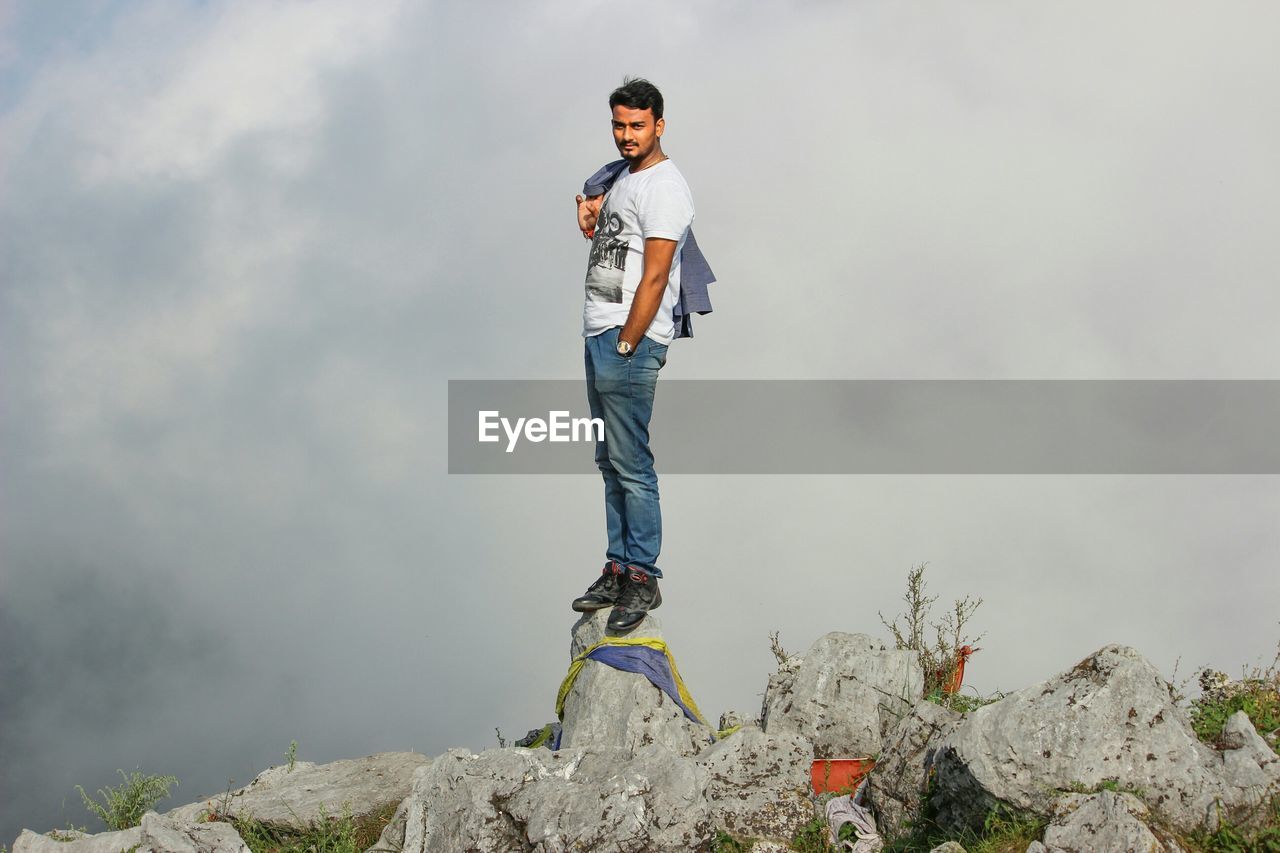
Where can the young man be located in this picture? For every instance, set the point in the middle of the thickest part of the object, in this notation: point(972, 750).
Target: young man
point(633, 287)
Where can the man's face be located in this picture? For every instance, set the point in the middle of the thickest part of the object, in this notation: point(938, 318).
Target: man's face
point(635, 133)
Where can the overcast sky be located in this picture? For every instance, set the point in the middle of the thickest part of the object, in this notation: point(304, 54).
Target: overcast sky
point(244, 245)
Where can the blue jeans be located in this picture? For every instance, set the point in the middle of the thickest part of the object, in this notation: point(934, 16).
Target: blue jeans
point(620, 392)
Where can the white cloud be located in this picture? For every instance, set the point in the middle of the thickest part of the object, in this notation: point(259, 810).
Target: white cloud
point(172, 88)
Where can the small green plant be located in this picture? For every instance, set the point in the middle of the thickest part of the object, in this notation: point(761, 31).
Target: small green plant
point(1230, 837)
point(221, 808)
point(812, 837)
point(124, 805)
point(344, 833)
point(964, 702)
point(1257, 693)
point(1112, 785)
point(725, 842)
point(291, 756)
point(1003, 830)
point(502, 742)
point(938, 644)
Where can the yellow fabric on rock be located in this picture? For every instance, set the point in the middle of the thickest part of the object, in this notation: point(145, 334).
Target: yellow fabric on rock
point(651, 642)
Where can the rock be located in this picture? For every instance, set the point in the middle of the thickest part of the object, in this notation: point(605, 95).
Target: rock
point(1107, 820)
point(1109, 719)
point(281, 797)
point(591, 628)
point(759, 783)
point(770, 847)
point(166, 835)
point(574, 799)
point(896, 786)
point(949, 847)
point(1247, 759)
point(611, 709)
point(844, 695)
point(1037, 847)
point(780, 684)
point(103, 842)
point(732, 719)
point(157, 834)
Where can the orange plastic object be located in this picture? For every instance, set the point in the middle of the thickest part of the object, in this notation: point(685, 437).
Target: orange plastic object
point(839, 774)
point(952, 684)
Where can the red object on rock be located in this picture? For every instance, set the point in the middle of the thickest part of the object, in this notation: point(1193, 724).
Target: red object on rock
point(839, 774)
point(952, 684)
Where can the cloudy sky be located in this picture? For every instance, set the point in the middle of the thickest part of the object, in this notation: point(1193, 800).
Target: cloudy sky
point(245, 244)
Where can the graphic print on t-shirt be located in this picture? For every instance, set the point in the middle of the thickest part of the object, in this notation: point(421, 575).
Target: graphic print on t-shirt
point(608, 259)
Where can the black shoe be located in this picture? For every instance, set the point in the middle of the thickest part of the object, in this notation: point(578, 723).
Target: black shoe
point(639, 596)
point(604, 592)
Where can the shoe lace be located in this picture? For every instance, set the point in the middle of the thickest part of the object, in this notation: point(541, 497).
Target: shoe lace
point(637, 594)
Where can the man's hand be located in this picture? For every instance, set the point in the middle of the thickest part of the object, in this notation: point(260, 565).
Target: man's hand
point(588, 212)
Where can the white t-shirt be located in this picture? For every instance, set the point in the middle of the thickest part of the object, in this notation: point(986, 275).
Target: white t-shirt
point(654, 202)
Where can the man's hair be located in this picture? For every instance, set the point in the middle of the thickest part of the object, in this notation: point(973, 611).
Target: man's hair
point(637, 93)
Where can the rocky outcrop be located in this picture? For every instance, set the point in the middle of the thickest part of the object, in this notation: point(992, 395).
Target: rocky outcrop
point(574, 799)
point(1110, 719)
point(280, 796)
point(1107, 820)
point(844, 695)
point(610, 709)
point(758, 783)
point(1101, 753)
point(897, 786)
point(156, 834)
point(751, 784)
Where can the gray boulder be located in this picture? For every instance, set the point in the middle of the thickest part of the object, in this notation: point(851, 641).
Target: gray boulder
point(156, 834)
point(534, 800)
point(166, 835)
point(1248, 761)
point(1107, 820)
point(281, 797)
point(79, 842)
point(1109, 719)
point(758, 783)
point(897, 785)
point(610, 709)
point(844, 694)
point(591, 628)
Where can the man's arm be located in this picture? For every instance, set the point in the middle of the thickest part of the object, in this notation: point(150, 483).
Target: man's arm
point(658, 254)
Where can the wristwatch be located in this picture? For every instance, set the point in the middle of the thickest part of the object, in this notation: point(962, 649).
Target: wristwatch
point(625, 349)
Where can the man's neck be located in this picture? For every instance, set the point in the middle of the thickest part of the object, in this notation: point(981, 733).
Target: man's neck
point(652, 160)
